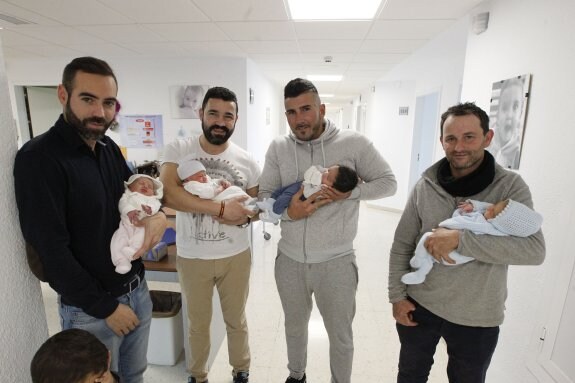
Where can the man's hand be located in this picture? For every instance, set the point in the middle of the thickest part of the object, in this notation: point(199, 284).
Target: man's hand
point(402, 312)
point(332, 194)
point(155, 226)
point(235, 213)
point(122, 320)
point(441, 242)
point(299, 209)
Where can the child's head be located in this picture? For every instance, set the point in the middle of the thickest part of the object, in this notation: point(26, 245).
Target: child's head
point(341, 178)
point(514, 218)
point(192, 170)
point(72, 356)
point(144, 184)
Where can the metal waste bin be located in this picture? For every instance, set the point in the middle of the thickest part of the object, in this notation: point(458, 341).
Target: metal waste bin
point(166, 332)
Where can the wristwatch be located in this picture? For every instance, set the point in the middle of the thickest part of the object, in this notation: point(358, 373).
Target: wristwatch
point(244, 225)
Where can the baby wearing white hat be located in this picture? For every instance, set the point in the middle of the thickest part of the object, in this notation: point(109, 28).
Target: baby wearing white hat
point(195, 180)
point(503, 218)
point(140, 199)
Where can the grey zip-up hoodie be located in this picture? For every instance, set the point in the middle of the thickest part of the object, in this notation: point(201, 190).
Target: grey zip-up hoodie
point(330, 231)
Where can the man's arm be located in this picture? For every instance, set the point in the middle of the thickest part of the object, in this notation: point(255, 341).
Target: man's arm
point(176, 197)
point(374, 171)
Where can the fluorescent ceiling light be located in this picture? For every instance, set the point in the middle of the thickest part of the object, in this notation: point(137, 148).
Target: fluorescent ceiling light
point(333, 10)
point(324, 77)
point(326, 95)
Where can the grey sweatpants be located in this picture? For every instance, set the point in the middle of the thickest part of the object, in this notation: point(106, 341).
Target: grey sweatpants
point(334, 284)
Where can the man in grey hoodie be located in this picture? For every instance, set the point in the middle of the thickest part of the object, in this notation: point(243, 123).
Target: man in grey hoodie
point(315, 252)
point(463, 305)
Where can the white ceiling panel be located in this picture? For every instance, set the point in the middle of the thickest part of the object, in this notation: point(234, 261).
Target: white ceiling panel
point(243, 10)
point(408, 29)
point(258, 30)
point(332, 30)
point(132, 33)
point(157, 11)
point(188, 31)
point(330, 47)
point(362, 51)
point(74, 12)
point(268, 46)
point(60, 35)
point(391, 46)
point(425, 9)
point(213, 48)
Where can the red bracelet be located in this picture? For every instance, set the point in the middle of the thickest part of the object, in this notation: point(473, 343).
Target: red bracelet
point(222, 207)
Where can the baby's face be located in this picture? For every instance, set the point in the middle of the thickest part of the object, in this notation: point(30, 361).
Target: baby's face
point(143, 186)
point(200, 176)
point(329, 175)
point(493, 210)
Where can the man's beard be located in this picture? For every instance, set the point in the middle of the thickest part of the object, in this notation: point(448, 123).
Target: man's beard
point(81, 126)
point(216, 139)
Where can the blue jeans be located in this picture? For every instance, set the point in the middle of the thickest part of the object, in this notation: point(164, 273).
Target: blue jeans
point(469, 348)
point(129, 351)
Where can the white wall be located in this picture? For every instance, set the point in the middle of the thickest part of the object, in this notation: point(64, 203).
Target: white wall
point(532, 36)
point(438, 66)
point(268, 102)
point(144, 89)
point(22, 319)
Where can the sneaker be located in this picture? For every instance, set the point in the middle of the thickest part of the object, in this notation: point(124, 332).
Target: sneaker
point(242, 377)
point(191, 379)
point(294, 380)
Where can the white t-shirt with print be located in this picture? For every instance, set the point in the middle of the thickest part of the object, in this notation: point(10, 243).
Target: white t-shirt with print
point(199, 235)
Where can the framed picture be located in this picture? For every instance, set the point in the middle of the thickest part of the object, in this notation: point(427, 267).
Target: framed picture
point(508, 116)
point(186, 100)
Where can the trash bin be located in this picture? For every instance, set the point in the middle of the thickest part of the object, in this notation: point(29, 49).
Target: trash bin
point(166, 332)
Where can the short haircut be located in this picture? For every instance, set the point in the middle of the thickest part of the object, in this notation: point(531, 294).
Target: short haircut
point(346, 179)
point(299, 86)
point(220, 93)
point(465, 109)
point(87, 64)
point(69, 356)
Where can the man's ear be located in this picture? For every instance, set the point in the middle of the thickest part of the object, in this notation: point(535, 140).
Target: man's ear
point(62, 95)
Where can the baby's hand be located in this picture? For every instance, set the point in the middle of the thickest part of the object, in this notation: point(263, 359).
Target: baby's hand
point(133, 216)
point(147, 209)
point(466, 207)
point(225, 184)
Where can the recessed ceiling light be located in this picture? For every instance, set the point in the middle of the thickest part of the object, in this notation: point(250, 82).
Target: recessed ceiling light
point(324, 77)
point(333, 10)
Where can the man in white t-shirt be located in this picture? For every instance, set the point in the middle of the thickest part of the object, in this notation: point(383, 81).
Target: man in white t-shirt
point(212, 237)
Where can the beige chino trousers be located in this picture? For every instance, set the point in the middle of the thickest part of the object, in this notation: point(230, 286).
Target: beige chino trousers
point(231, 277)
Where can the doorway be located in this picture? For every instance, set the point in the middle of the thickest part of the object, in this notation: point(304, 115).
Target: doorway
point(425, 135)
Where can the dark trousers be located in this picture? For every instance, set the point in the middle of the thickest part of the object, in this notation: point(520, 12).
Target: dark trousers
point(469, 348)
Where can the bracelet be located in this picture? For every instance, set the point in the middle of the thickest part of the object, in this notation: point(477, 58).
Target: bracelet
point(246, 224)
point(222, 208)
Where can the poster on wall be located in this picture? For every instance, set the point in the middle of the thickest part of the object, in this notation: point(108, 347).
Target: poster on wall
point(141, 131)
point(186, 100)
point(507, 116)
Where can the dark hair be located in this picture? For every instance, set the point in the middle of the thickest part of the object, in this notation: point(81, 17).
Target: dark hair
point(465, 109)
point(346, 179)
point(69, 356)
point(298, 86)
point(90, 65)
point(221, 93)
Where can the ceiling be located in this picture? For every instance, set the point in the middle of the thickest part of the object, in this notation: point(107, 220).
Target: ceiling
point(361, 51)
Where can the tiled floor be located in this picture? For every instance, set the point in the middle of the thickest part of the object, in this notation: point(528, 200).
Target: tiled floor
point(376, 343)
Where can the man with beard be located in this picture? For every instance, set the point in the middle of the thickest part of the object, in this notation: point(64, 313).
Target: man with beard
point(315, 253)
point(464, 305)
point(68, 182)
point(213, 239)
